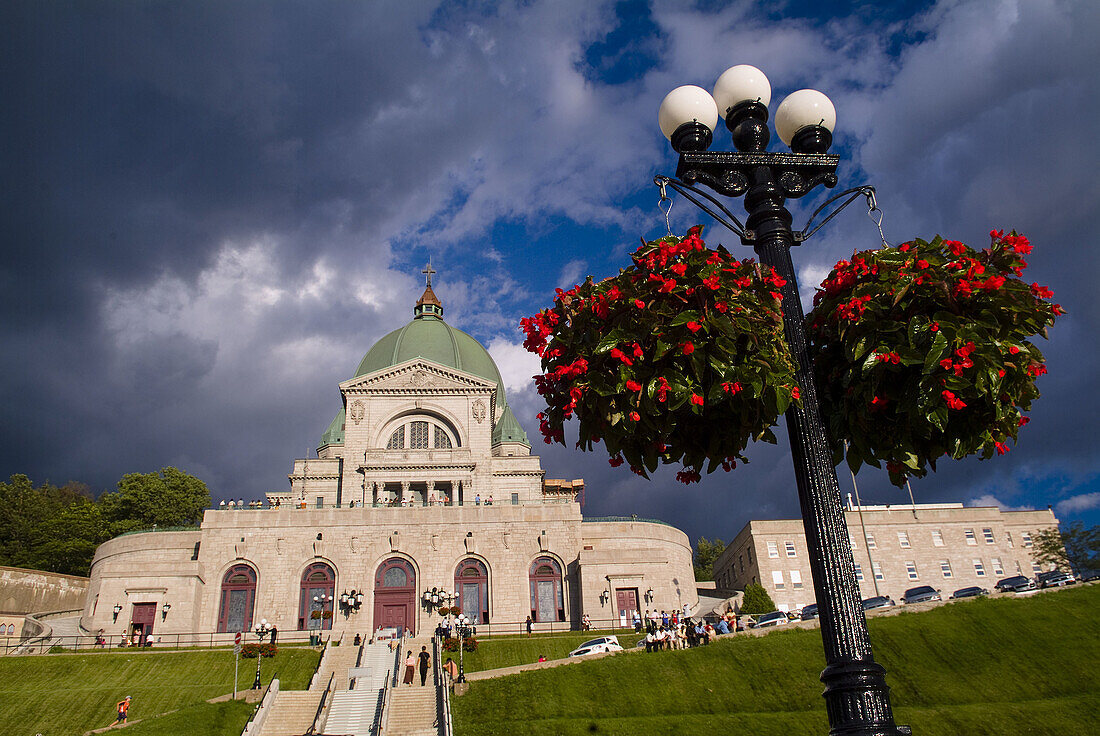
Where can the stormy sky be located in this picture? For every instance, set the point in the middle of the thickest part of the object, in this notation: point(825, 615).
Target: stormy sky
point(212, 210)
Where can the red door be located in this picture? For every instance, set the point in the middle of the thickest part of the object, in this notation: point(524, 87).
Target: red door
point(141, 622)
point(626, 603)
point(395, 595)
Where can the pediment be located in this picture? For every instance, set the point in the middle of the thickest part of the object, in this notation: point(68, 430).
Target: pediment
point(417, 375)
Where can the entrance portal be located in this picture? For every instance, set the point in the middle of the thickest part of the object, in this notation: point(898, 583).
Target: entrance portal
point(626, 603)
point(395, 596)
point(141, 624)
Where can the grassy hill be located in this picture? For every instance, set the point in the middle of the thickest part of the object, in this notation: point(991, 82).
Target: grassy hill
point(65, 694)
point(1004, 666)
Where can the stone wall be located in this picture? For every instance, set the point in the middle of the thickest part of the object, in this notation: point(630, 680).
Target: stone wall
point(30, 591)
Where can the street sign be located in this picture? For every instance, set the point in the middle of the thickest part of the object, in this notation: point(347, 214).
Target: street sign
point(237, 638)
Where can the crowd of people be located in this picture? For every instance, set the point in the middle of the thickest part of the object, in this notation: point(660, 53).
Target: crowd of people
point(674, 631)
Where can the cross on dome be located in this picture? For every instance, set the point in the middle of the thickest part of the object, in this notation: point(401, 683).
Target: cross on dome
point(428, 304)
point(428, 272)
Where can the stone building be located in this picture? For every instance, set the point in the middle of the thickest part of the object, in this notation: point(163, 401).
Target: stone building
point(424, 480)
point(947, 546)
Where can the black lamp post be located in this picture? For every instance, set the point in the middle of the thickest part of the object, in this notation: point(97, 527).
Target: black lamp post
point(856, 694)
point(261, 631)
point(462, 628)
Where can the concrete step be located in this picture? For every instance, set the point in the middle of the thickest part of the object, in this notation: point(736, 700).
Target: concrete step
point(291, 713)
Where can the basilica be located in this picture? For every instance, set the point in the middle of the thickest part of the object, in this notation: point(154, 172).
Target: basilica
point(424, 490)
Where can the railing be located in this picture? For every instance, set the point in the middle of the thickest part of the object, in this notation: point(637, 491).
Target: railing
point(197, 639)
point(358, 661)
point(260, 712)
point(324, 651)
point(162, 529)
point(320, 706)
point(382, 720)
point(624, 518)
point(380, 709)
point(442, 691)
point(512, 628)
point(396, 504)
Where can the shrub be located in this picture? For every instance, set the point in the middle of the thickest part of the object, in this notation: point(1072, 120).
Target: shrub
point(756, 600)
point(250, 651)
point(450, 644)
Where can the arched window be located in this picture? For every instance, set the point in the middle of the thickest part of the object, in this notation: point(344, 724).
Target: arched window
point(315, 600)
point(472, 588)
point(395, 595)
point(547, 600)
point(421, 433)
point(238, 599)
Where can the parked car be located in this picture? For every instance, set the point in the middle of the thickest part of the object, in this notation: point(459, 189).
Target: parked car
point(878, 601)
point(1014, 584)
point(920, 594)
point(775, 618)
point(972, 592)
point(1055, 579)
point(809, 612)
point(1089, 575)
point(602, 644)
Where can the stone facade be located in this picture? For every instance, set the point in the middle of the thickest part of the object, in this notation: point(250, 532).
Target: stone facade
point(396, 504)
point(947, 546)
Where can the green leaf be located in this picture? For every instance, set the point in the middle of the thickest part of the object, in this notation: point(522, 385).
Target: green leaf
point(935, 353)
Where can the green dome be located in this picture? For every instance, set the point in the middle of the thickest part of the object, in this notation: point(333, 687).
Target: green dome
point(428, 336)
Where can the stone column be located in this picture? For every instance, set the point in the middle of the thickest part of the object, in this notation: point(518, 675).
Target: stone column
point(429, 491)
point(405, 500)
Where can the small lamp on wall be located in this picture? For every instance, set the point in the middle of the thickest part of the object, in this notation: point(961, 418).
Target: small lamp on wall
point(116, 610)
point(649, 595)
point(164, 611)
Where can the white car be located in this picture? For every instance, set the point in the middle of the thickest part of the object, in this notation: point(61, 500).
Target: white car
point(775, 618)
point(603, 644)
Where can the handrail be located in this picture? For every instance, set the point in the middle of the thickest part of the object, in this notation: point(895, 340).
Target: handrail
point(321, 706)
point(376, 727)
point(442, 691)
point(274, 676)
point(324, 651)
point(180, 640)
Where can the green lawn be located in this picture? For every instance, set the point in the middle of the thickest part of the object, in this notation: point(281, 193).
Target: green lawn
point(1004, 666)
point(65, 694)
point(506, 651)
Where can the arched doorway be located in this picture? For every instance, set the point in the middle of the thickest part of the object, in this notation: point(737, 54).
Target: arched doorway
point(547, 601)
point(472, 587)
point(315, 601)
point(395, 595)
point(238, 599)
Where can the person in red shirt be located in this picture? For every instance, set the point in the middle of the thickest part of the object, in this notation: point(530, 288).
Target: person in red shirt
point(123, 708)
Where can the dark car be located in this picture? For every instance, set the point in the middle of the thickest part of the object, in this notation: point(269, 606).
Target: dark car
point(878, 601)
point(972, 592)
point(920, 594)
point(1055, 579)
point(1014, 584)
point(809, 612)
point(1089, 575)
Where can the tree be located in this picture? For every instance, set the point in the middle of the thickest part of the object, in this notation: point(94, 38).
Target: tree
point(706, 553)
point(756, 600)
point(47, 527)
point(1076, 548)
point(170, 497)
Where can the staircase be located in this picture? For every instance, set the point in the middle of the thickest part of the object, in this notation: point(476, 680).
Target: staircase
point(412, 707)
point(291, 713)
point(353, 711)
point(338, 660)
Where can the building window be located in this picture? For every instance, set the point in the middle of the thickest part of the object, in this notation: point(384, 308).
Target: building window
point(238, 599)
point(903, 539)
point(859, 572)
point(871, 541)
point(796, 579)
point(979, 568)
point(740, 562)
point(851, 540)
point(911, 569)
point(773, 550)
point(777, 579)
point(876, 568)
point(945, 568)
point(397, 439)
point(547, 601)
point(998, 569)
point(1026, 536)
point(970, 536)
point(315, 597)
point(442, 441)
point(1036, 567)
point(937, 538)
point(987, 533)
point(1019, 570)
point(418, 436)
point(1008, 538)
point(472, 588)
point(749, 553)
point(790, 549)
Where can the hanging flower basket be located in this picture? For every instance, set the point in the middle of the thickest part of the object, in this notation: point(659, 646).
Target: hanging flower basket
point(924, 350)
point(315, 614)
point(678, 359)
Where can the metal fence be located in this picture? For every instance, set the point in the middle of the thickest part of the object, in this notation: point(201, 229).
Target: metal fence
point(193, 640)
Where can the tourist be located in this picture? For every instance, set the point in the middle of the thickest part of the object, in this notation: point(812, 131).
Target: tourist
point(637, 621)
point(542, 658)
point(221, 505)
point(451, 668)
point(489, 502)
point(708, 631)
point(425, 659)
point(358, 640)
point(650, 640)
point(410, 665)
point(123, 710)
point(664, 619)
point(722, 627)
point(431, 501)
point(274, 633)
point(529, 623)
point(231, 504)
point(477, 500)
point(586, 622)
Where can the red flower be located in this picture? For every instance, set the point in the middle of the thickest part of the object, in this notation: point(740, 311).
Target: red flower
point(1013, 349)
point(1058, 309)
point(639, 304)
point(921, 263)
point(796, 393)
point(711, 282)
point(616, 353)
point(678, 268)
point(615, 461)
point(935, 326)
point(1041, 292)
point(694, 326)
point(731, 388)
point(667, 286)
point(614, 293)
point(1002, 448)
point(952, 402)
point(890, 357)
point(688, 476)
point(721, 307)
point(633, 386)
point(662, 389)
point(637, 350)
point(946, 364)
point(1023, 421)
point(635, 416)
point(955, 247)
point(697, 399)
point(687, 348)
